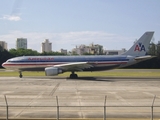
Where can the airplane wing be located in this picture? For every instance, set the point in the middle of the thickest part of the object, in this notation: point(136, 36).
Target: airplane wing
point(77, 66)
point(144, 57)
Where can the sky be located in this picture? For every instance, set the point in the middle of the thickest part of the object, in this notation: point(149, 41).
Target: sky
point(115, 24)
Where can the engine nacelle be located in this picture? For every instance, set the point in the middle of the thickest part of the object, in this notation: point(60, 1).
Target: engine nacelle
point(51, 71)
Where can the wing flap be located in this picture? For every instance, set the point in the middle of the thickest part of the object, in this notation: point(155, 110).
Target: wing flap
point(76, 66)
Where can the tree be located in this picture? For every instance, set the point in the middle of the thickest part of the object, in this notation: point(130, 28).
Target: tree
point(4, 55)
point(52, 53)
point(23, 52)
point(87, 53)
point(152, 49)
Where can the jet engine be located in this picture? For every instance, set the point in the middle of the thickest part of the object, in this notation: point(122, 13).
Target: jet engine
point(51, 71)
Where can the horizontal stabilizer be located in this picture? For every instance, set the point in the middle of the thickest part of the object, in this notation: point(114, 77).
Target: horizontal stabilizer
point(144, 57)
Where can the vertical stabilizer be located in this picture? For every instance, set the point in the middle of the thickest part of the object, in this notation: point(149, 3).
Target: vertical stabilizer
point(141, 46)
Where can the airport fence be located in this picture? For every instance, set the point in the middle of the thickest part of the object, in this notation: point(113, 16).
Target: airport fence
point(54, 110)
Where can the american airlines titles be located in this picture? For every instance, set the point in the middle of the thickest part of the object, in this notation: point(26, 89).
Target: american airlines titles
point(47, 58)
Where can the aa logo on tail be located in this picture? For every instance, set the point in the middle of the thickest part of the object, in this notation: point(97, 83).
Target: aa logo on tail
point(139, 47)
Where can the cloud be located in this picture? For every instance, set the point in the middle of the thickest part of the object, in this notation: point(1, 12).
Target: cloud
point(69, 40)
point(15, 13)
point(11, 17)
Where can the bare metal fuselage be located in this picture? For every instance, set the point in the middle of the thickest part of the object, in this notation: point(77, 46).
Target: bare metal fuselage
point(39, 63)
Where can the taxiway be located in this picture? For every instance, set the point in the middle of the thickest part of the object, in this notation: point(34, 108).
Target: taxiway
point(35, 97)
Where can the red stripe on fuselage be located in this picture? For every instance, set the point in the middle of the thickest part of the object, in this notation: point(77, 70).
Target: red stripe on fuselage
point(123, 62)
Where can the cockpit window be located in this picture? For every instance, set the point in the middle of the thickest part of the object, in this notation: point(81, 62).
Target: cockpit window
point(10, 60)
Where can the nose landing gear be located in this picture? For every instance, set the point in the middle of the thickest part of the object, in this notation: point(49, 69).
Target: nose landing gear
point(20, 74)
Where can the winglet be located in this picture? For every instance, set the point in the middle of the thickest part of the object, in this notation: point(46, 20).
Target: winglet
point(141, 46)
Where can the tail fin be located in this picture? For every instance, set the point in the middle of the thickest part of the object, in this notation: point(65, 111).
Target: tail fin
point(141, 46)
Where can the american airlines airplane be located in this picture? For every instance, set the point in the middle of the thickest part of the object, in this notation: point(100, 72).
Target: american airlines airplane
point(54, 65)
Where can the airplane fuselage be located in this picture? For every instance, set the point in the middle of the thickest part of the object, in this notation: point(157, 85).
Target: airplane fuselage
point(39, 63)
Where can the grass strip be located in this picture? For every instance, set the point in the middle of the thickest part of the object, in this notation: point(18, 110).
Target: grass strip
point(111, 73)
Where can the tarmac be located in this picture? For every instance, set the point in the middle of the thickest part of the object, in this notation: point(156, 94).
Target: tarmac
point(85, 97)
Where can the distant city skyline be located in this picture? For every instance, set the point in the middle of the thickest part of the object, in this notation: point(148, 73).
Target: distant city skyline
point(115, 24)
point(46, 46)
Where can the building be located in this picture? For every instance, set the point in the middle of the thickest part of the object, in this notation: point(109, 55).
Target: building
point(21, 43)
point(63, 51)
point(3, 44)
point(115, 52)
point(91, 49)
point(46, 46)
point(80, 50)
point(96, 49)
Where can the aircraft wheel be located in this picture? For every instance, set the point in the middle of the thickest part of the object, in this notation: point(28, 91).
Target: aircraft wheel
point(73, 76)
point(20, 75)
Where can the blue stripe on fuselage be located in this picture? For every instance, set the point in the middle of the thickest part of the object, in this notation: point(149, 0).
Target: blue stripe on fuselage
point(68, 59)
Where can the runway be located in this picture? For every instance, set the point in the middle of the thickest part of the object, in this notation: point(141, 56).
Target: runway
point(35, 97)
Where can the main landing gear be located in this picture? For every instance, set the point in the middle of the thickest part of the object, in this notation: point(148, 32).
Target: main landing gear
point(20, 74)
point(73, 75)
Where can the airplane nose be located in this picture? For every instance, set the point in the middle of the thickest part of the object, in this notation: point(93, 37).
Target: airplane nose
point(3, 65)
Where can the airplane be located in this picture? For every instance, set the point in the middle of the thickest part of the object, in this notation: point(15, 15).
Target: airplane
point(54, 65)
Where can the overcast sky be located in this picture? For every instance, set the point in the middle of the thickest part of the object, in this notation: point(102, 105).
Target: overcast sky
point(115, 24)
